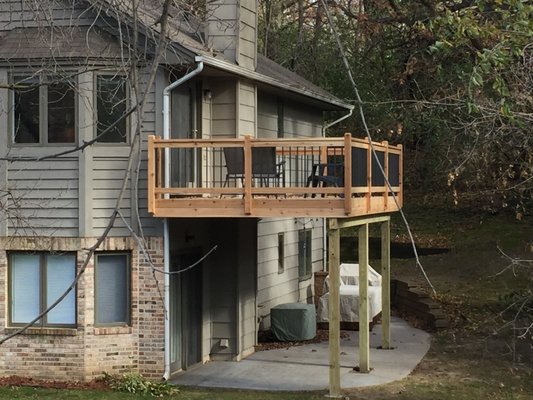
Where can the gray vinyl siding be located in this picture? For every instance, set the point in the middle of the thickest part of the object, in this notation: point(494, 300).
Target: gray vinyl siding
point(246, 112)
point(47, 194)
point(152, 124)
point(275, 288)
point(109, 164)
point(299, 120)
point(222, 26)
point(223, 289)
point(44, 198)
point(247, 233)
point(231, 29)
point(267, 116)
point(247, 52)
point(223, 108)
point(108, 178)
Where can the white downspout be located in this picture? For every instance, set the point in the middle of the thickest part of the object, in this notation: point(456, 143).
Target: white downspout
point(327, 126)
point(324, 220)
point(166, 239)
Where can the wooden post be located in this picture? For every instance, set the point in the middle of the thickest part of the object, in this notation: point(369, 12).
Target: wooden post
point(334, 312)
point(385, 284)
point(151, 173)
point(386, 179)
point(369, 156)
point(400, 194)
point(364, 333)
point(348, 174)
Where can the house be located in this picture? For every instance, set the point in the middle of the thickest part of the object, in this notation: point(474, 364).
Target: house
point(74, 72)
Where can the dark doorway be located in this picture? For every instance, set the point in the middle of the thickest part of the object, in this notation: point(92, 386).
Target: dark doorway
point(186, 311)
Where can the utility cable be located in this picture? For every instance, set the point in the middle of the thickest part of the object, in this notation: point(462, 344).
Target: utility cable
point(369, 137)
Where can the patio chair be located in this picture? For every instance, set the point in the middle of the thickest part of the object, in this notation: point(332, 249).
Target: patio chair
point(234, 164)
point(264, 165)
point(326, 174)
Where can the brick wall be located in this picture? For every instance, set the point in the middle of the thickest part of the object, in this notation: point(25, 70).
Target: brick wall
point(84, 352)
point(151, 321)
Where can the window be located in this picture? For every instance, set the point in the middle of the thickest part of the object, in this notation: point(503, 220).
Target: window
point(44, 110)
point(305, 262)
point(36, 280)
point(111, 102)
point(281, 252)
point(112, 289)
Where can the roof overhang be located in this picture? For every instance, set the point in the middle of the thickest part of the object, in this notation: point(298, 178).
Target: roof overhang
point(334, 104)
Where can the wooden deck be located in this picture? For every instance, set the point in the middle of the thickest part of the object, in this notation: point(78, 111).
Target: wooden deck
point(246, 177)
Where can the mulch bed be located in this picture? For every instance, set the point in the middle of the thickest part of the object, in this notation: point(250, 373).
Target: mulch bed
point(267, 340)
point(15, 381)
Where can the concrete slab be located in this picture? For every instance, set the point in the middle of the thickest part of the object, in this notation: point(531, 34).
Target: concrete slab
point(300, 368)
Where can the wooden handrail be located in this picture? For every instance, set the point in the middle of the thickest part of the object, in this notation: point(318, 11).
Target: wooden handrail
point(314, 197)
point(237, 142)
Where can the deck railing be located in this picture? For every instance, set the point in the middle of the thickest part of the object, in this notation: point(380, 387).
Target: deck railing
point(335, 177)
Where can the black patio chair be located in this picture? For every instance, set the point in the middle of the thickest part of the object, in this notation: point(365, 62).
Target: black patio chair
point(264, 165)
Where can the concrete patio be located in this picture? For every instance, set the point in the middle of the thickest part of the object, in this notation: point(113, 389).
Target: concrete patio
point(301, 368)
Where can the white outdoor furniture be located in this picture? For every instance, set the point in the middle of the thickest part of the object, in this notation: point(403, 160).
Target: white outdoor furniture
point(349, 295)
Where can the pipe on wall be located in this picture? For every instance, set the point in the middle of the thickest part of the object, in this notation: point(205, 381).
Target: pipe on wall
point(166, 238)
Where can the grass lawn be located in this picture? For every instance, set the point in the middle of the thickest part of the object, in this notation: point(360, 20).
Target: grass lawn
point(184, 394)
point(478, 357)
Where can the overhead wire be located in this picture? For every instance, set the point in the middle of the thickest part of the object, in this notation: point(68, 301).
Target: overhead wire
point(371, 144)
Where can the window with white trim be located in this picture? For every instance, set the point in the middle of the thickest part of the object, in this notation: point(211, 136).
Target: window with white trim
point(36, 281)
point(112, 281)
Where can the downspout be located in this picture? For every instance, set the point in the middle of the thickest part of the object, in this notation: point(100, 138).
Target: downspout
point(166, 238)
point(324, 220)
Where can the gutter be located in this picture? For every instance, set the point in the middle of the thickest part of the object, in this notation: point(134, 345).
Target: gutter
point(243, 72)
point(166, 238)
point(324, 220)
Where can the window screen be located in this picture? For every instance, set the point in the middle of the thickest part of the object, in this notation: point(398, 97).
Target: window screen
point(25, 287)
point(37, 280)
point(59, 276)
point(112, 294)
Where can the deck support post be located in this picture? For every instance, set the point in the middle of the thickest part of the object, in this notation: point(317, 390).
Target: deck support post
point(364, 332)
point(385, 285)
point(334, 310)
